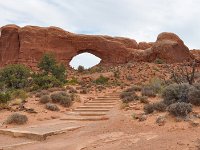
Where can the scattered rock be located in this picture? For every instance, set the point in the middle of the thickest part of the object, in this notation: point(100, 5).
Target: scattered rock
point(194, 123)
point(161, 120)
point(143, 118)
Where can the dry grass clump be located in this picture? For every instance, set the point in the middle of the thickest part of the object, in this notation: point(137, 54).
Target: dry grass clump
point(16, 119)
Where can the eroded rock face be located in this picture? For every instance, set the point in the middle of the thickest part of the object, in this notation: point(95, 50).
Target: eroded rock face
point(28, 44)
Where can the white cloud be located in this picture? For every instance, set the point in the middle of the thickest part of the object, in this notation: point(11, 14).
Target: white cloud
point(139, 19)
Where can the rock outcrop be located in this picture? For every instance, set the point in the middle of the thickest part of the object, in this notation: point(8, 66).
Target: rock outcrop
point(27, 45)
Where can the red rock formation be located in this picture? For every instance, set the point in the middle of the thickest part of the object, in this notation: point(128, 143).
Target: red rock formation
point(27, 45)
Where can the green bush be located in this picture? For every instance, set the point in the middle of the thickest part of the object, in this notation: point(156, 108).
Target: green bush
point(45, 99)
point(176, 93)
point(4, 97)
point(194, 95)
point(81, 69)
point(148, 91)
point(101, 80)
point(73, 81)
point(17, 119)
point(180, 109)
point(15, 76)
point(52, 107)
point(45, 81)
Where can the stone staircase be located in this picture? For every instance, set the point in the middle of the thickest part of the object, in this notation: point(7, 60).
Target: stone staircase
point(94, 110)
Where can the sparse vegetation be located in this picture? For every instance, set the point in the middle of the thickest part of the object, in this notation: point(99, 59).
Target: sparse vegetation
point(17, 119)
point(143, 99)
point(180, 109)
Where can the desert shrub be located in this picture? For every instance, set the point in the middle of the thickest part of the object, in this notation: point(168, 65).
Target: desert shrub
point(129, 77)
point(66, 101)
point(20, 94)
point(194, 95)
point(160, 106)
point(45, 99)
point(180, 109)
point(45, 81)
point(116, 74)
point(143, 99)
point(4, 97)
point(17, 119)
point(101, 80)
point(133, 88)
point(176, 93)
point(73, 81)
point(159, 61)
point(52, 107)
point(63, 98)
point(81, 69)
point(72, 90)
point(128, 97)
point(148, 91)
point(156, 84)
point(15, 76)
point(148, 108)
point(84, 91)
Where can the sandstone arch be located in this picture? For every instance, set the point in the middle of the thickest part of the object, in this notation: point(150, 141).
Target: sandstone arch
point(27, 45)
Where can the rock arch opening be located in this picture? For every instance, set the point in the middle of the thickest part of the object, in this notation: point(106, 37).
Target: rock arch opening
point(85, 59)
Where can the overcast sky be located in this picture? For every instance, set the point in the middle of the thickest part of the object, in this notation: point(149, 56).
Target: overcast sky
point(141, 20)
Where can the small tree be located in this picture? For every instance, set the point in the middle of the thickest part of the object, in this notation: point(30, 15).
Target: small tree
point(184, 72)
point(47, 63)
point(49, 66)
point(81, 68)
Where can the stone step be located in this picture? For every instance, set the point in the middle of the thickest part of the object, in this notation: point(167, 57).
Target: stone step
point(99, 101)
point(87, 113)
point(96, 107)
point(99, 104)
point(40, 132)
point(8, 142)
point(90, 110)
point(84, 118)
point(108, 98)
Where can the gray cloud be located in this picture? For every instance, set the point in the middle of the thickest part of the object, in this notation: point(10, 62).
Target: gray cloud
point(139, 19)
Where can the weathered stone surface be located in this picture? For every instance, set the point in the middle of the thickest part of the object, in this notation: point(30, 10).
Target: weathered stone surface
point(27, 45)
